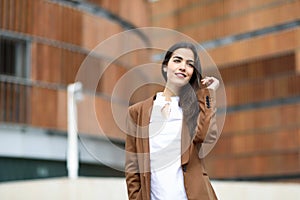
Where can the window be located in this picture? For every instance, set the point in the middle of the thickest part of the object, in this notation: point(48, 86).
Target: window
point(13, 59)
point(13, 91)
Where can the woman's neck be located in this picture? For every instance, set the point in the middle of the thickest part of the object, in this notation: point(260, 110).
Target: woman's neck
point(168, 93)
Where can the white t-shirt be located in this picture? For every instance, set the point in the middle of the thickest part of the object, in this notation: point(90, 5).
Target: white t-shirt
point(165, 151)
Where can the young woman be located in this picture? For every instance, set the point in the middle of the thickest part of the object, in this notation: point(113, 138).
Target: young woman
point(166, 131)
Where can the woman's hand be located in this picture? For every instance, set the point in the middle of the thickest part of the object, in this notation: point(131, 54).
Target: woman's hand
point(211, 83)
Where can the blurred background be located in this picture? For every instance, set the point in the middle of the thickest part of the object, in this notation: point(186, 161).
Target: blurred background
point(255, 45)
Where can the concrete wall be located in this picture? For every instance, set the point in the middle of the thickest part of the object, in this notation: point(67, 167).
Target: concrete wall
point(115, 189)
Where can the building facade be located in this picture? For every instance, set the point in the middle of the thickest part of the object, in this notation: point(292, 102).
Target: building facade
point(44, 43)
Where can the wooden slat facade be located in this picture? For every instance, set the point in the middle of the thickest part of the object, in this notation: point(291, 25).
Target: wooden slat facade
point(261, 134)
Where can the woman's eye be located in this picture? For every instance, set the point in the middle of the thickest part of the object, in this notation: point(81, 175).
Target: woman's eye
point(191, 65)
point(177, 61)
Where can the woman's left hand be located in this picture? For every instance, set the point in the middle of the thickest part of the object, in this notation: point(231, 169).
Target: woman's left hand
point(211, 82)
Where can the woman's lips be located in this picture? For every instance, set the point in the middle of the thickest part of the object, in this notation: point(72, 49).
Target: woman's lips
point(180, 75)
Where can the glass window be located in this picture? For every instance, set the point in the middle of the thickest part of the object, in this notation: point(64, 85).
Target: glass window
point(13, 71)
point(13, 59)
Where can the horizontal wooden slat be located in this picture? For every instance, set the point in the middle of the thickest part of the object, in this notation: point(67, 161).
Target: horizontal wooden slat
point(264, 142)
point(256, 48)
point(284, 87)
point(273, 164)
point(259, 69)
point(262, 119)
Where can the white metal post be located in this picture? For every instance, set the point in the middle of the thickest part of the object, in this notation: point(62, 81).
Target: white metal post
point(74, 94)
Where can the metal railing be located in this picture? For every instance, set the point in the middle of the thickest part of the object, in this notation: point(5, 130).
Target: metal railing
point(15, 97)
point(14, 104)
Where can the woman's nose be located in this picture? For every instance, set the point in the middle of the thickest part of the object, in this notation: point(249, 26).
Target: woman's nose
point(182, 67)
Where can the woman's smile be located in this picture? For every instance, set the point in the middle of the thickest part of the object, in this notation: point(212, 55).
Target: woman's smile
point(180, 75)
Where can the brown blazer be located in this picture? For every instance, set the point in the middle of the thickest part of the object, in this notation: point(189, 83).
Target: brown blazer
point(196, 181)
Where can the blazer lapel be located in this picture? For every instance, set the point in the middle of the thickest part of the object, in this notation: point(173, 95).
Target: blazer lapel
point(185, 143)
point(146, 114)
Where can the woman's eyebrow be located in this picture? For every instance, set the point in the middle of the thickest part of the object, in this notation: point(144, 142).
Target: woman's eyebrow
point(178, 57)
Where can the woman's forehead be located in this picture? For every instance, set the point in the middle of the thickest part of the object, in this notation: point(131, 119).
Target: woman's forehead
point(184, 53)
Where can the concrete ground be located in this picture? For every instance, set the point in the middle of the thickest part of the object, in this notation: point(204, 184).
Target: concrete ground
point(115, 189)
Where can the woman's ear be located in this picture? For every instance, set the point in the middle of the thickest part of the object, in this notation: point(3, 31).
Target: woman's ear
point(164, 71)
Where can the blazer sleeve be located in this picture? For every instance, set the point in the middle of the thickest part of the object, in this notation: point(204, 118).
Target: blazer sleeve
point(206, 130)
point(131, 161)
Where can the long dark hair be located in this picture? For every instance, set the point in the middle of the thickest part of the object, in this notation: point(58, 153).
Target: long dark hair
point(188, 100)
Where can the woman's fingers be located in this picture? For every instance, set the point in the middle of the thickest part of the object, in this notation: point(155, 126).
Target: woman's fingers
point(211, 82)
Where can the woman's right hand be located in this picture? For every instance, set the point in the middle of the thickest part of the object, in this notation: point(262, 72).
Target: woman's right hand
point(210, 82)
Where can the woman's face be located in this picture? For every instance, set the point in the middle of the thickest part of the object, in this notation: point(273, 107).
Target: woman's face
point(180, 67)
